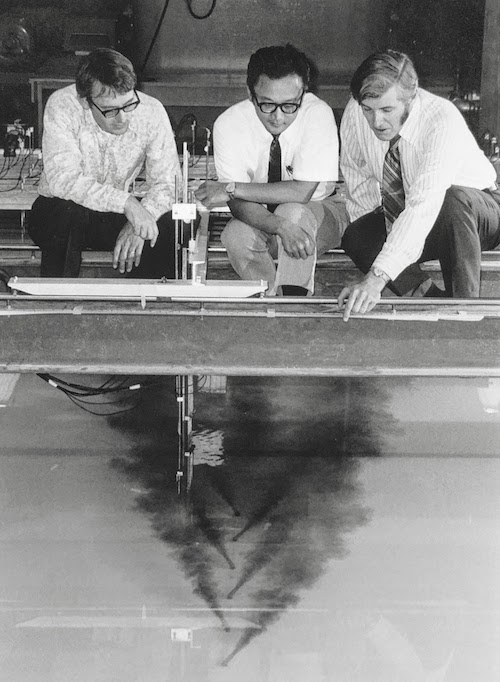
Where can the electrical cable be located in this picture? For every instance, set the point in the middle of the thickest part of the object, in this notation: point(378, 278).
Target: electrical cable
point(19, 179)
point(101, 414)
point(200, 16)
point(155, 35)
point(81, 389)
point(83, 396)
point(187, 117)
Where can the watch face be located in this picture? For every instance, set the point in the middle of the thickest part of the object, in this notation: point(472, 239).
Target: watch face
point(380, 273)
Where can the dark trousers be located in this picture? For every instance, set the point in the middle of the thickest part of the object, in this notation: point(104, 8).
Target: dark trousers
point(63, 229)
point(468, 223)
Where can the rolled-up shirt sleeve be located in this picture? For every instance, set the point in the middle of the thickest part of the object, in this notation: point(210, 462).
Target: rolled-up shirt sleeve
point(162, 166)
point(231, 157)
point(63, 163)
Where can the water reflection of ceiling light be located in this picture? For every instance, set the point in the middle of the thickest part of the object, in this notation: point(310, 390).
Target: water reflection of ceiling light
point(489, 396)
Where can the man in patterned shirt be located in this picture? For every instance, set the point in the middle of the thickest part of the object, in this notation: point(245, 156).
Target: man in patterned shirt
point(98, 135)
point(450, 207)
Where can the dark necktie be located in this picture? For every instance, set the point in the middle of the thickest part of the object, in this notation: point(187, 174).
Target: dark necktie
point(274, 172)
point(393, 194)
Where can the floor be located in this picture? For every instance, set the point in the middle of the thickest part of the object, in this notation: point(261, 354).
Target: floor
point(336, 530)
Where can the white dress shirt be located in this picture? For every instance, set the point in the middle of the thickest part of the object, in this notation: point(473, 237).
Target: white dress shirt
point(437, 150)
point(94, 168)
point(309, 146)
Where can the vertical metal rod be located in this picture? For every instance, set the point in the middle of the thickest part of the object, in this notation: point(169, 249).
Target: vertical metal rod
point(184, 388)
point(179, 392)
point(185, 172)
point(177, 231)
point(207, 152)
point(189, 429)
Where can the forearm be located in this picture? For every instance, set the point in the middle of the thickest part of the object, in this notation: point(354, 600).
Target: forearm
point(159, 200)
point(286, 192)
point(256, 215)
point(136, 210)
point(85, 191)
point(162, 168)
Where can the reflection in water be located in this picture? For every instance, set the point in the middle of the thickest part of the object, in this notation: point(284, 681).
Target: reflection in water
point(275, 492)
point(354, 568)
point(489, 395)
point(297, 541)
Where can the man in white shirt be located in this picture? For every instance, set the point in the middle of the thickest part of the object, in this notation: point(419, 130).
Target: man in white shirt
point(98, 135)
point(450, 206)
point(276, 156)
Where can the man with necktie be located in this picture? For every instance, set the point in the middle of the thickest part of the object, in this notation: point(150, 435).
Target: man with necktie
point(276, 156)
point(418, 188)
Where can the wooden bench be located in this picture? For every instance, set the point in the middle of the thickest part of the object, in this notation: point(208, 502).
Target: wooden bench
point(334, 268)
point(24, 253)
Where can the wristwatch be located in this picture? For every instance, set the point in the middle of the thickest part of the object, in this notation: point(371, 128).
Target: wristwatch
point(380, 273)
point(230, 189)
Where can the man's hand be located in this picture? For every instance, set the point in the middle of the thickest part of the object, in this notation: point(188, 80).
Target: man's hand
point(142, 222)
point(361, 297)
point(212, 193)
point(128, 249)
point(296, 242)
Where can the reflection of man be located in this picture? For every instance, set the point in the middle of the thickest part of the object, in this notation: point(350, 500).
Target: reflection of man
point(97, 136)
point(276, 156)
point(418, 187)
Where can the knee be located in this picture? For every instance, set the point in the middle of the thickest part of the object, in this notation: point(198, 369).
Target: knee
point(456, 202)
point(293, 212)
point(236, 235)
point(165, 221)
point(166, 228)
point(350, 239)
point(51, 221)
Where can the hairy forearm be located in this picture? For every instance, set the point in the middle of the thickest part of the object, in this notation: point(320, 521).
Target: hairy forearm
point(288, 191)
point(256, 215)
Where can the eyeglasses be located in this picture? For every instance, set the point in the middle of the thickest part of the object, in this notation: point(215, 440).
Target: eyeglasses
point(111, 113)
point(286, 107)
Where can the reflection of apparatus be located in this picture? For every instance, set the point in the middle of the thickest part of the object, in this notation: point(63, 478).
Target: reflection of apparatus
point(14, 138)
point(15, 38)
point(29, 36)
point(37, 33)
point(191, 284)
point(85, 33)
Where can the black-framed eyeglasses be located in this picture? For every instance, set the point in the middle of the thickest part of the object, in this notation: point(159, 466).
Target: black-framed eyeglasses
point(111, 113)
point(286, 107)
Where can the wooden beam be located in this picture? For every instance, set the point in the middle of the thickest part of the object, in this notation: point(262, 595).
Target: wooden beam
point(490, 78)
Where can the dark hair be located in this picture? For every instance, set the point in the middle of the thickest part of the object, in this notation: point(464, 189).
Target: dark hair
point(108, 68)
point(276, 62)
point(380, 71)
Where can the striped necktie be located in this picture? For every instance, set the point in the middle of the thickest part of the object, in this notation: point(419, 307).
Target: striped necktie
point(274, 172)
point(393, 193)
